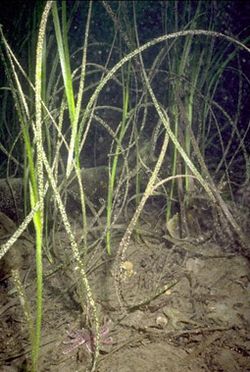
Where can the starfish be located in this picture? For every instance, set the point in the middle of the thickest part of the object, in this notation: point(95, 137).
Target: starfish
point(84, 337)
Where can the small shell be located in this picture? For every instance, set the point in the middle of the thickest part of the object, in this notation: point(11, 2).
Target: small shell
point(128, 269)
point(161, 321)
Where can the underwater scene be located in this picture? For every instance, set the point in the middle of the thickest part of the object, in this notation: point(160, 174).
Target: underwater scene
point(124, 186)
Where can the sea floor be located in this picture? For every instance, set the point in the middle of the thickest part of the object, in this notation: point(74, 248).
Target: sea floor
point(187, 307)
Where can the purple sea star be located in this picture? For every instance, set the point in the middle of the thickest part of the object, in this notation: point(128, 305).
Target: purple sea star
point(85, 337)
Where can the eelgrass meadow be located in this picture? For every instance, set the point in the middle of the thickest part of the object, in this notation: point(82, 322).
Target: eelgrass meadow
point(150, 94)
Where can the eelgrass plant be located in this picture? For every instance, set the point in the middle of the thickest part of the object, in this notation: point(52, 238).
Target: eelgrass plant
point(195, 68)
point(70, 119)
